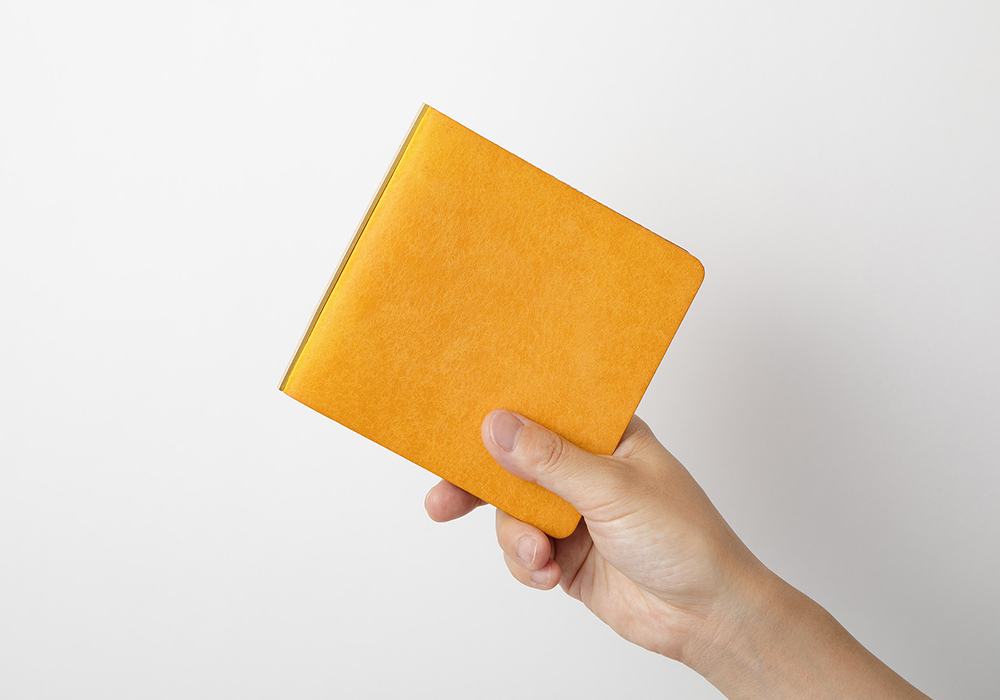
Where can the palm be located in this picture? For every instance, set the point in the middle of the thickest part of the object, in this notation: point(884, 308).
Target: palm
point(644, 605)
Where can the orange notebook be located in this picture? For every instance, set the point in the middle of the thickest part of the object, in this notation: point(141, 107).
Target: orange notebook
point(476, 281)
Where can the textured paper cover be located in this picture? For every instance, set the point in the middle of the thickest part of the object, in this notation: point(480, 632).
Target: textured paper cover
point(478, 282)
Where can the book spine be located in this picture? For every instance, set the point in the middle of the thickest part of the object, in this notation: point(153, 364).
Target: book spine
point(352, 244)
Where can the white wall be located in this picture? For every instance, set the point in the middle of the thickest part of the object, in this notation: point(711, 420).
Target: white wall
point(178, 181)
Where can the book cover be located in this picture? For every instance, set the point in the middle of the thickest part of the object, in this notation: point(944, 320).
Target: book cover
point(476, 281)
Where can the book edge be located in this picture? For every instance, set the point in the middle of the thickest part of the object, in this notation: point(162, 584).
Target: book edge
point(351, 246)
point(575, 189)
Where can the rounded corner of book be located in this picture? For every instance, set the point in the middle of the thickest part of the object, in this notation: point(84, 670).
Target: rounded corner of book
point(698, 271)
point(563, 527)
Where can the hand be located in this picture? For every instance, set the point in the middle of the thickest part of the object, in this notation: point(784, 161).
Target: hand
point(655, 560)
point(652, 557)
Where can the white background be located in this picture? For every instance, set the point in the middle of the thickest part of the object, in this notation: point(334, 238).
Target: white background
point(177, 184)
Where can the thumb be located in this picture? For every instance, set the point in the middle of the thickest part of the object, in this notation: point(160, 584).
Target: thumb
point(534, 453)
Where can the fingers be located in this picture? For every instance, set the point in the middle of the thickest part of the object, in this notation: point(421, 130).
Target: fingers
point(528, 552)
point(445, 502)
point(543, 579)
point(535, 453)
point(573, 554)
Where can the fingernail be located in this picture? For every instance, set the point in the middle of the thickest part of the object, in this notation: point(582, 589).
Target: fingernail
point(504, 430)
point(540, 578)
point(526, 548)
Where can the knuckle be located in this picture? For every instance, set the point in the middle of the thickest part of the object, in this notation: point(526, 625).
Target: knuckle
point(548, 452)
point(515, 569)
point(503, 530)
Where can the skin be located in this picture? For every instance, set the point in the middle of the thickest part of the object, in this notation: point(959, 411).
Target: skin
point(655, 560)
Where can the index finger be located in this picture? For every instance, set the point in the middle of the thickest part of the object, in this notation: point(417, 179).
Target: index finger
point(445, 502)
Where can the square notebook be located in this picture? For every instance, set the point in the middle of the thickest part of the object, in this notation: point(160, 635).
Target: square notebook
point(476, 281)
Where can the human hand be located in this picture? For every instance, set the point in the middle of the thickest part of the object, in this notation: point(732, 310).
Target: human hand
point(655, 560)
point(652, 557)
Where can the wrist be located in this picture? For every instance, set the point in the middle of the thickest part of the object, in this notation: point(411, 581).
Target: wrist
point(764, 638)
point(744, 618)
